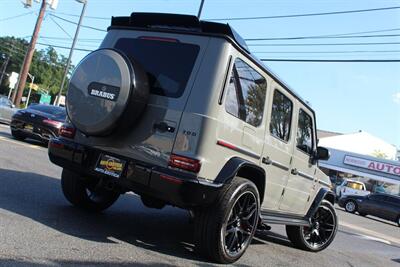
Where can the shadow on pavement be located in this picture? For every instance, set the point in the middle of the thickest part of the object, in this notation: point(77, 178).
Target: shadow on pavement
point(24, 262)
point(371, 218)
point(26, 141)
point(39, 198)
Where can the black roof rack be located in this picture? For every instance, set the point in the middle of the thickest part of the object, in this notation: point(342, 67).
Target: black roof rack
point(178, 22)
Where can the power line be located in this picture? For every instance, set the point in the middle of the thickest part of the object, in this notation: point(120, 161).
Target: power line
point(322, 37)
point(331, 60)
point(325, 52)
point(77, 16)
point(66, 47)
point(59, 26)
point(79, 39)
point(17, 16)
point(310, 14)
point(331, 44)
point(267, 17)
point(84, 26)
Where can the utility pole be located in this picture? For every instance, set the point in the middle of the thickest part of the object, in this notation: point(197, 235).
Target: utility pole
point(29, 55)
point(4, 68)
point(200, 9)
point(84, 2)
point(5, 64)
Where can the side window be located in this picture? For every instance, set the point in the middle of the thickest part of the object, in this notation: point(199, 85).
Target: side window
point(304, 140)
point(281, 116)
point(246, 93)
point(232, 99)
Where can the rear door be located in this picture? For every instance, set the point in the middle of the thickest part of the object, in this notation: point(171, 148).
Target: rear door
point(278, 147)
point(391, 208)
point(244, 106)
point(373, 205)
point(171, 62)
point(301, 180)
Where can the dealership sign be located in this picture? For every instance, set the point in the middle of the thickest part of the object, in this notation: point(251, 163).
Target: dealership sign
point(373, 165)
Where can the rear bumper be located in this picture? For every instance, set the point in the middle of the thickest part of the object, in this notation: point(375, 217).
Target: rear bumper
point(39, 132)
point(172, 186)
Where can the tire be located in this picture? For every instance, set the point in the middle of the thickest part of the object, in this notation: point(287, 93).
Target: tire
point(76, 191)
point(232, 220)
point(298, 235)
point(106, 88)
point(17, 135)
point(350, 206)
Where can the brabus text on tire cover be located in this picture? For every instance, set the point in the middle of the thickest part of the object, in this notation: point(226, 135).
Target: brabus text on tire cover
point(103, 91)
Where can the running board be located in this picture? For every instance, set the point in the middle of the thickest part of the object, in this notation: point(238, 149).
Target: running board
point(284, 219)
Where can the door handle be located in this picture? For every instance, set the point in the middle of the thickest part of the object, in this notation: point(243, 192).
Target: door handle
point(294, 172)
point(163, 127)
point(266, 161)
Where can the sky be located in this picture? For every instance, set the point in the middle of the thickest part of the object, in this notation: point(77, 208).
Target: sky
point(347, 97)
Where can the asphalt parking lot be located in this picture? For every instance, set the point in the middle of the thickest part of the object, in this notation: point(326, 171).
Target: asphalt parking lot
point(39, 228)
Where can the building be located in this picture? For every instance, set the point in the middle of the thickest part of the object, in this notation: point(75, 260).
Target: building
point(363, 157)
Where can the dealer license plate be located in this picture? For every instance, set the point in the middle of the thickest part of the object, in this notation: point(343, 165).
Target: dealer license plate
point(110, 165)
point(28, 127)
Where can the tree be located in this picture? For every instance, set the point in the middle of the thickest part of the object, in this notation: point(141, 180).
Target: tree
point(379, 154)
point(47, 65)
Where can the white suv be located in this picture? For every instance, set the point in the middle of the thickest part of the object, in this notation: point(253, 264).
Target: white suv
point(180, 112)
point(351, 188)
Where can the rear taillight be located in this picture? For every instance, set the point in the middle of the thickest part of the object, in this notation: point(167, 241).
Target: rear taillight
point(67, 131)
point(56, 124)
point(184, 163)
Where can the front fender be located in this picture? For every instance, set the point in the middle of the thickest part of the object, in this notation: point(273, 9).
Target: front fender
point(323, 193)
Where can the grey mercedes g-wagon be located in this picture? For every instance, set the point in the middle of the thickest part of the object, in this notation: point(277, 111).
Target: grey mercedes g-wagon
point(180, 112)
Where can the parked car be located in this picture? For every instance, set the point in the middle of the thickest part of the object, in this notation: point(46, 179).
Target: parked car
point(380, 205)
point(180, 112)
point(40, 122)
point(7, 109)
point(351, 188)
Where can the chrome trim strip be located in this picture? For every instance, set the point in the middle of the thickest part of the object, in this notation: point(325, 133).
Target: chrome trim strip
point(239, 149)
point(324, 183)
point(305, 175)
point(279, 165)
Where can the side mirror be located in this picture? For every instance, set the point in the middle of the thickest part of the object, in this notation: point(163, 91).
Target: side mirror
point(322, 153)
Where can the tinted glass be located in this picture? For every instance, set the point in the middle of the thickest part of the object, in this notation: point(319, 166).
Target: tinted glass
point(168, 64)
point(281, 116)
point(232, 100)
point(246, 93)
point(304, 138)
point(58, 112)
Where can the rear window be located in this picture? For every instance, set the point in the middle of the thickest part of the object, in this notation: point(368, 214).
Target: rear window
point(356, 186)
point(168, 64)
point(58, 112)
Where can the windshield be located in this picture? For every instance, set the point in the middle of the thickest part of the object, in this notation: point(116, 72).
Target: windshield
point(168, 64)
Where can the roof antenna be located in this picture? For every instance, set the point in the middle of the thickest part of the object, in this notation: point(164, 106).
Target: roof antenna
point(200, 9)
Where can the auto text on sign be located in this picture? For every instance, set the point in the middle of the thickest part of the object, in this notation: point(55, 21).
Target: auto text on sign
point(373, 165)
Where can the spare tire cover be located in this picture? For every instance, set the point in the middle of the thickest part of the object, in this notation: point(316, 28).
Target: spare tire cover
point(103, 86)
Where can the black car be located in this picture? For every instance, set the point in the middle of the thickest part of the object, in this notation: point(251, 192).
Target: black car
point(40, 122)
point(380, 205)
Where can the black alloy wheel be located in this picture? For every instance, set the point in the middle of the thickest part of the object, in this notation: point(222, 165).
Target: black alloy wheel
point(224, 231)
point(322, 228)
point(241, 224)
point(321, 231)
